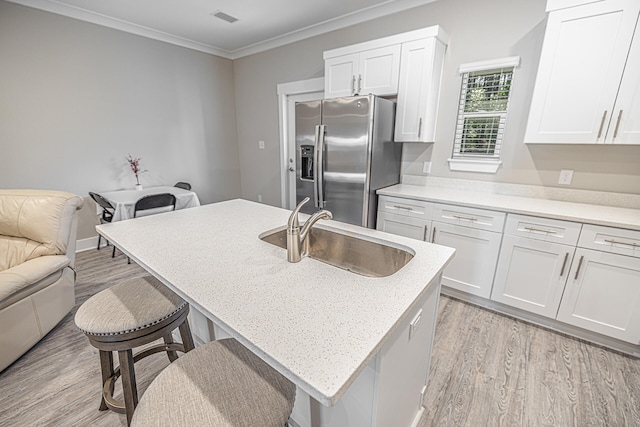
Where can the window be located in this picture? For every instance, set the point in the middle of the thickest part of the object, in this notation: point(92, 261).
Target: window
point(482, 114)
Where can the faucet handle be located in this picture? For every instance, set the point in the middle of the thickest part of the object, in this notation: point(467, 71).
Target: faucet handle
point(293, 219)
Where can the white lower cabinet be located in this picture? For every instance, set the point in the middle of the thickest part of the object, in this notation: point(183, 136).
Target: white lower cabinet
point(416, 228)
point(531, 274)
point(603, 291)
point(471, 269)
point(576, 275)
point(534, 263)
point(404, 217)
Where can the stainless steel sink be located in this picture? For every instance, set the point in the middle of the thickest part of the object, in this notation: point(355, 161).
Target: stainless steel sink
point(365, 257)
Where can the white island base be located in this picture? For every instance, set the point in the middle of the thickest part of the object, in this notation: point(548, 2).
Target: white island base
point(390, 389)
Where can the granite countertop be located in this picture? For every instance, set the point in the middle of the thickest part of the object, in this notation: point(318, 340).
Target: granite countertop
point(557, 209)
point(316, 324)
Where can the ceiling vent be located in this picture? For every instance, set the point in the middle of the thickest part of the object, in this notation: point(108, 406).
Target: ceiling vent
point(220, 14)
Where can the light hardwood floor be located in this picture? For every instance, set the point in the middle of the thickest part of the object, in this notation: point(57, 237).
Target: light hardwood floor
point(487, 370)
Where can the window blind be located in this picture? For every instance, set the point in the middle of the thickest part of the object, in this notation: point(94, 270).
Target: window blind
point(482, 113)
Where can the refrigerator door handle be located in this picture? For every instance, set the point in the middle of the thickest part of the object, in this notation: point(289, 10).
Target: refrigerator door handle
point(318, 167)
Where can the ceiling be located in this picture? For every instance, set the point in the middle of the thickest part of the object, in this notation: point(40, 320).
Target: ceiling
point(260, 25)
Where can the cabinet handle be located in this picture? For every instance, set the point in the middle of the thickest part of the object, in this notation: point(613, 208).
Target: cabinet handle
point(540, 230)
point(466, 218)
point(433, 235)
point(419, 127)
point(424, 236)
point(604, 115)
point(353, 85)
point(578, 269)
point(403, 207)
point(615, 133)
point(564, 264)
point(359, 83)
point(617, 242)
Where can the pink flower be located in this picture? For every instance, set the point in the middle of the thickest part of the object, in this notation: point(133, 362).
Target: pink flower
point(134, 163)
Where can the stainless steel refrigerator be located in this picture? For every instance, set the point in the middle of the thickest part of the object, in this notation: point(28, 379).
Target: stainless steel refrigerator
point(344, 153)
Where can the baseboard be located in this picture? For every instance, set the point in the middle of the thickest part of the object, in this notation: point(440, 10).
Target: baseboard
point(90, 243)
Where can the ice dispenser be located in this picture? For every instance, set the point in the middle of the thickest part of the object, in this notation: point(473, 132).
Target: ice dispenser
point(306, 162)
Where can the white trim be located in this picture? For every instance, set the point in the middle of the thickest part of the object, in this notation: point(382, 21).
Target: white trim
point(474, 165)
point(383, 9)
point(301, 86)
point(511, 61)
point(88, 243)
point(553, 5)
point(120, 25)
point(434, 31)
point(284, 90)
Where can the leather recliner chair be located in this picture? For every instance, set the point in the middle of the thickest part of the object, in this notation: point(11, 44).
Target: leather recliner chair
point(37, 260)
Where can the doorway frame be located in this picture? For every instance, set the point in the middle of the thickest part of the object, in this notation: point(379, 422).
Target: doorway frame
point(285, 91)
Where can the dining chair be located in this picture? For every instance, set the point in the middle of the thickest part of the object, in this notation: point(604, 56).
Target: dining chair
point(107, 215)
point(154, 201)
point(183, 185)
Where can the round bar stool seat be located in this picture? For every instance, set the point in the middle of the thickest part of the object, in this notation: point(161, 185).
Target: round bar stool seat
point(131, 314)
point(221, 384)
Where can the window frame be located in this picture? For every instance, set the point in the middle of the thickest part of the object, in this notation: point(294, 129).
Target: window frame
point(489, 163)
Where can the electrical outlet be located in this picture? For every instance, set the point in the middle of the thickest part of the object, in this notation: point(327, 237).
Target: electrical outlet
point(426, 167)
point(260, 198)
point(261, 145)
point(566, 175)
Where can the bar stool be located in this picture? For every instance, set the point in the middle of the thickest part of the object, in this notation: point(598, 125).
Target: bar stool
point(220, 384)
point(131, 314)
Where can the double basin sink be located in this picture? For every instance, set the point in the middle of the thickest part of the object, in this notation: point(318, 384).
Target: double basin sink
point(364, 257)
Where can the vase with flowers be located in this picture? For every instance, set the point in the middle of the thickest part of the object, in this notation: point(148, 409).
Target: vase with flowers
point(134, 163)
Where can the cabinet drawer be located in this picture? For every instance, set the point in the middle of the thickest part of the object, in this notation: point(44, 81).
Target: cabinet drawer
point(549, 230)
point(609, 239)
point(406, 207)
point(469, 217)
point(416, 228)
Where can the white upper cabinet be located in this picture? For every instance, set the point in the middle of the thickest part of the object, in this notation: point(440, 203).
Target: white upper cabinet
point(372, 71)
point(340, 75)
point(587, 88)
point(407, 65)
point(419, 90)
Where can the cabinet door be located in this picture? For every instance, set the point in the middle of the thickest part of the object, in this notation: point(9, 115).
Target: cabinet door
point(416, 228)
point(378, 71)
point(603, 295)
point(340, 75)
point(531, 274)
point(625, 122)
point(418, 90)
point(474, 263)
point(581, 65)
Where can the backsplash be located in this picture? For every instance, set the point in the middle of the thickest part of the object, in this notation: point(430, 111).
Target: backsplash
point(621, 200)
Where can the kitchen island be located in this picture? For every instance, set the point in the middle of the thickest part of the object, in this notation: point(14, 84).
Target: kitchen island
point(358, 346)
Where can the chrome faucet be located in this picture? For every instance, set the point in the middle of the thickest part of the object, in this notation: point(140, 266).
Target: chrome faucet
point(296, 237)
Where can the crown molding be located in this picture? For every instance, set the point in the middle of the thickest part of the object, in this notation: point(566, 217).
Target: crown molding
point(387, 8)
point(120, 25)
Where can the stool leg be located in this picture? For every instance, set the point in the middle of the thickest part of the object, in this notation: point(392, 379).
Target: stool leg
point(129, 388)
point(187, 338)
point(106, 368)
point(173, 356)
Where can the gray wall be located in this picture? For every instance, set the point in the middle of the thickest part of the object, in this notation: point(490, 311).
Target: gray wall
point(478, 30)
point(76, 98)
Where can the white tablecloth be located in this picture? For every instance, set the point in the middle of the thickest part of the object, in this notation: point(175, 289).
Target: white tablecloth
point(124, 200)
